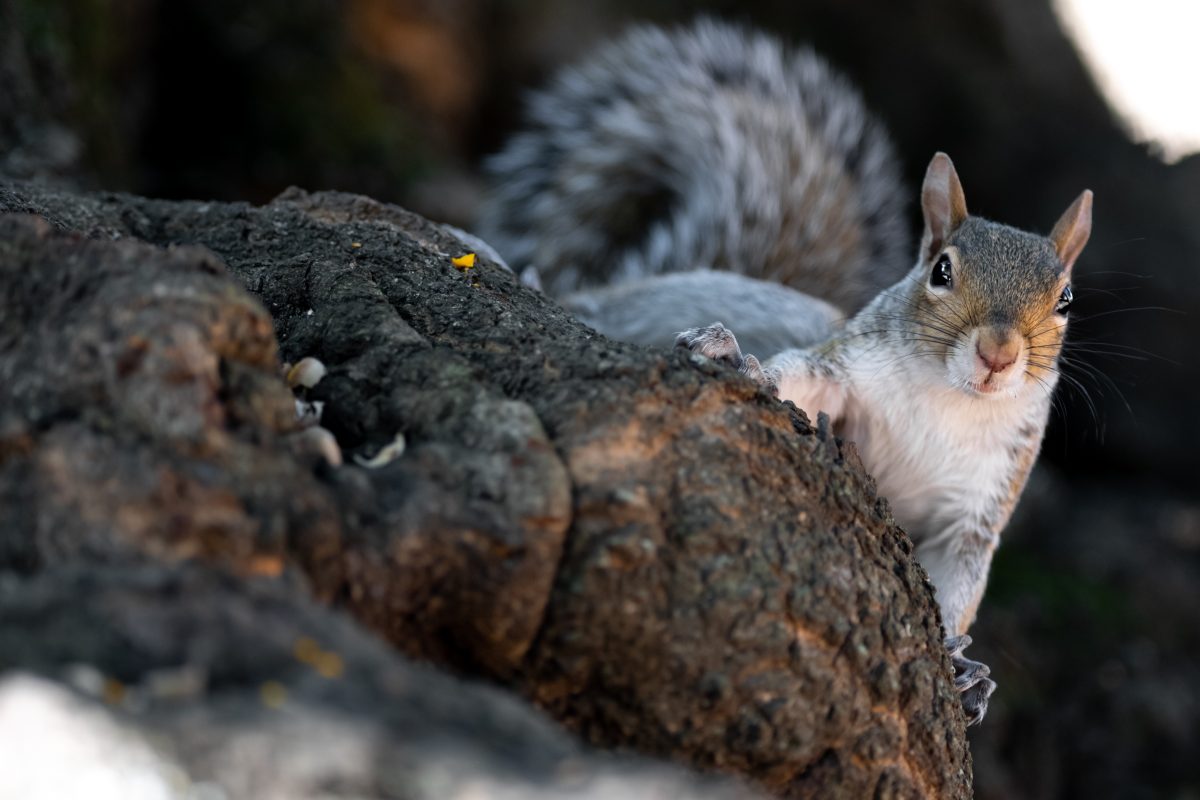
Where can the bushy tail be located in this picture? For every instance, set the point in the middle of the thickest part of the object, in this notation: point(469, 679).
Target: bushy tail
point(706, 147)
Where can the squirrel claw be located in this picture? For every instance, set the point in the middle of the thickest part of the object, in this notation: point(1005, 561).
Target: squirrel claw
point(712, 341)
point(753, 370)
point(970, 679)
point(718, 343)
point(975, 700)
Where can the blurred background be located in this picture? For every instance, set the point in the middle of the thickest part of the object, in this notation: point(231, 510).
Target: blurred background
point(1091, 623)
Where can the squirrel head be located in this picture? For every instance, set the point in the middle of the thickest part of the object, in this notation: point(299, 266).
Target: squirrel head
point(993, 299)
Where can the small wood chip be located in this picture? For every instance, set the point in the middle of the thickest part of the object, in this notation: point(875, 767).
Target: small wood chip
point(307, 373)
point(389, 453)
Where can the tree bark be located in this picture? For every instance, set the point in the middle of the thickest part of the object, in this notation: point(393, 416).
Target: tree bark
point(660, 556)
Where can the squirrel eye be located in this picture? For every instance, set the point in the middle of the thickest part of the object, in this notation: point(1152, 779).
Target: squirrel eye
point(1064, 301)
point(941, 272)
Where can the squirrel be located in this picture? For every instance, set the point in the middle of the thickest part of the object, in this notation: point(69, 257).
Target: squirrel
point(718, 148)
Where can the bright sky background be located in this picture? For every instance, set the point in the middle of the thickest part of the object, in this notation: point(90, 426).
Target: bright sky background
point(1145, 56)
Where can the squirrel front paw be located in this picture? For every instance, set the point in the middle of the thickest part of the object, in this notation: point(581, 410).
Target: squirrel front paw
point(970, 679)
point(718, 343)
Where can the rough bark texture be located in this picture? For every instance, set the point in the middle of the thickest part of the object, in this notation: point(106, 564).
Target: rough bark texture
point(1094, 634)
point(184, 678)
point(664, 559)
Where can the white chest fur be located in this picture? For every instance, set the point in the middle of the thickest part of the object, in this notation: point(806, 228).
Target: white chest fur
point(938, 454)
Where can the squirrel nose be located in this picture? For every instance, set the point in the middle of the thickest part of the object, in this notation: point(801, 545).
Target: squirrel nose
point(997, 349)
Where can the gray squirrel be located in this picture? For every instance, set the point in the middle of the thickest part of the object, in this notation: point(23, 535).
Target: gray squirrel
point(680, 177)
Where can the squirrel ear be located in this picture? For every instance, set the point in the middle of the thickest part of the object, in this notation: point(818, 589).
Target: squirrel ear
point(943, 204)
point(1072, 230)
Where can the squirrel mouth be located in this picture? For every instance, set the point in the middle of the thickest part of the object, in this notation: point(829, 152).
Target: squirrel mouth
point(986, 387)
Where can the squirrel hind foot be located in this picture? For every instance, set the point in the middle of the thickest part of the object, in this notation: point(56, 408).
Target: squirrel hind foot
point(970, 679)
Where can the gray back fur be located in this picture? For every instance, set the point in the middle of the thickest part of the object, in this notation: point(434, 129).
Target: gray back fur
point(652, 311)
point(704, 147)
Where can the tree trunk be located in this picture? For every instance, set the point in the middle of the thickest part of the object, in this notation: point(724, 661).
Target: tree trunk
point(641, 543)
